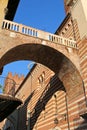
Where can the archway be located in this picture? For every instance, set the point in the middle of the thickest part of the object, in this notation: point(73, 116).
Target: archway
point(53, 59)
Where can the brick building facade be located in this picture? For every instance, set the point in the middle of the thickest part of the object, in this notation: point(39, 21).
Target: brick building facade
point(12, 83)
point(46, 104)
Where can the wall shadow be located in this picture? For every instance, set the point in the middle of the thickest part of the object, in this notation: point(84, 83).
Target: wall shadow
point(53, 86)
point(22, 113)
point(20, 121)
point(82, 126)
point(18, 117)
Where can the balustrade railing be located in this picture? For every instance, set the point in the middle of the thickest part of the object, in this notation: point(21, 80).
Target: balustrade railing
point(7, 86)
point(9, 25)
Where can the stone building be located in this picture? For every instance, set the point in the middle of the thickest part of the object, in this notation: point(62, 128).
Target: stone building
point(47, 103)
point(12, 83)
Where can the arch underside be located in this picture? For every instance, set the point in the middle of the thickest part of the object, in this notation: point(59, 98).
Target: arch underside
point(52, 59)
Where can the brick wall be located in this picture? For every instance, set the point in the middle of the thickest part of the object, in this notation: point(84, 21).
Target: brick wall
point(12, 83)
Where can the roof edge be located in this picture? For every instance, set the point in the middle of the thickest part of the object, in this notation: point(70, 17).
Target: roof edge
point(63, 23)
point(11, 9)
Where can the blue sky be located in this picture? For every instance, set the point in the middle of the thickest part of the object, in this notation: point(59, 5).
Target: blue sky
point(41, 14)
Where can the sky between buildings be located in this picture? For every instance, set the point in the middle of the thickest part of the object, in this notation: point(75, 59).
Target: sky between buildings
point(45, 15)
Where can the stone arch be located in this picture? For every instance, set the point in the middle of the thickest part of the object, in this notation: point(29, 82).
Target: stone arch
point(13, 40)
point(53, 59)
point(34, 52)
